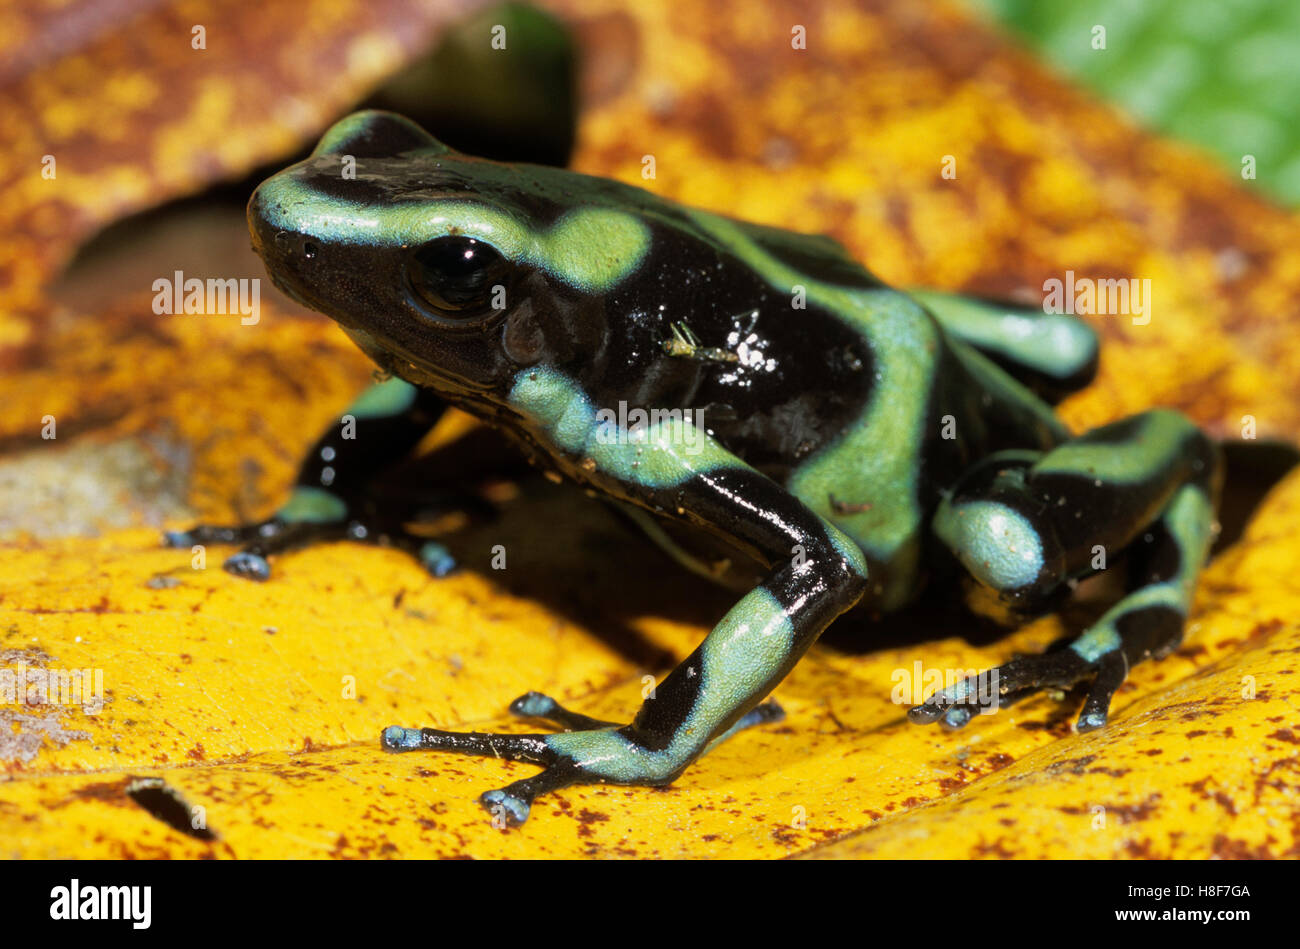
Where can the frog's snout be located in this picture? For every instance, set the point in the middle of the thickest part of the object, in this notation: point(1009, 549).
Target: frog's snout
point(275, 238)
point(288, 252)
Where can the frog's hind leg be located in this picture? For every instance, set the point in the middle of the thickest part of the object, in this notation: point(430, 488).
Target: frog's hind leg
point(1053, 354)
point(1024, 523)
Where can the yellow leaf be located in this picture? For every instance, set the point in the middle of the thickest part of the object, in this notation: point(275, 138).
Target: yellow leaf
point(261, 705)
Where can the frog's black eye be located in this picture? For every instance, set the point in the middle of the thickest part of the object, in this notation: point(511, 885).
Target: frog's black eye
point(458, 276)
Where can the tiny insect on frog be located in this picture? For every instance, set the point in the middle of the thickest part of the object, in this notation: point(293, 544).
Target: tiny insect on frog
point(837, 438)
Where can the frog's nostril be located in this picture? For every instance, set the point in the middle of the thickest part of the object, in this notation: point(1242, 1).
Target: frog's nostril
point(308, 249)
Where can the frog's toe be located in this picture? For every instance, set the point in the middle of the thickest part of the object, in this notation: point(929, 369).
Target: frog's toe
point(534, 705)
point(1112, 670)
point(436, 558)
point(955, 705)
point(397, 738)
point(249, 565)
point(958, 716)
point(502, 803)
point(178, 539)
point(532, 748)
point(511, 804)
point(537, 705)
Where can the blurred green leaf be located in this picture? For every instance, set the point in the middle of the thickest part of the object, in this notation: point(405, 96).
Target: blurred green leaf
point(1224, 74)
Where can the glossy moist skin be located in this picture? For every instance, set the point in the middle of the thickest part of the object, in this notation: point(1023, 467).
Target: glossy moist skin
point(841, 437)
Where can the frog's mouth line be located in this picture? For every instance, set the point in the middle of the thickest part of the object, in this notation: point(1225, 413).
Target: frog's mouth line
point(291, 293)
point(393, 360)
point(371, 348)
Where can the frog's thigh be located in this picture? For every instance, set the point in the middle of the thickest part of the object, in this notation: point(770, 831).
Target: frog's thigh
point(1023, 524)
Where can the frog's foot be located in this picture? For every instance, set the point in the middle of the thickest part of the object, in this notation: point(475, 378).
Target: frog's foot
point(1021, 677)
point(513, 802)
point(588, 751)
point(258, 542)
point(261, 541)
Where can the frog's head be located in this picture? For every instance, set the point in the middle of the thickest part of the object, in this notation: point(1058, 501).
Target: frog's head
point(451, 271)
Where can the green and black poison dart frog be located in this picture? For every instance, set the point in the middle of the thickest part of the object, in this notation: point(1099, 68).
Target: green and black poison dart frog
point(839, 439)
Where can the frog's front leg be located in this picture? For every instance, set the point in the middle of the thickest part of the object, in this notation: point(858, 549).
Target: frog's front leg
point(1023, 523)
point(332, 498)
point(816, 573)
